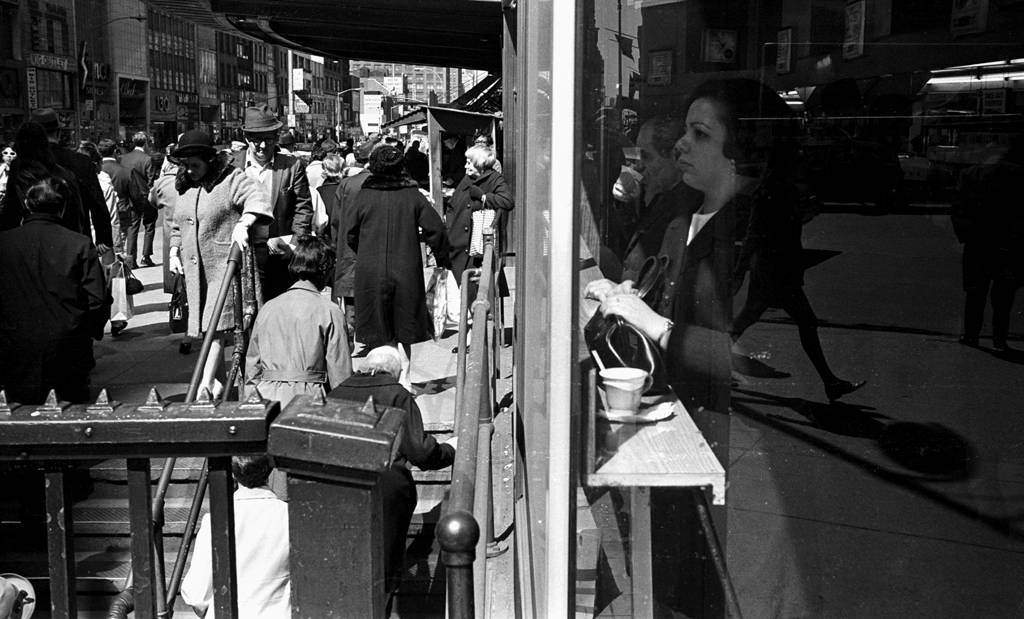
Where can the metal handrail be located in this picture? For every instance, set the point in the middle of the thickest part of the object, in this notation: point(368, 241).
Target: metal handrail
point(166, 592)
point(469, 504)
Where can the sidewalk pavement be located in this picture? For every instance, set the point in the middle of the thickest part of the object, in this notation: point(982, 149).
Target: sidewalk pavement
point(145, 355)
point(905, 498)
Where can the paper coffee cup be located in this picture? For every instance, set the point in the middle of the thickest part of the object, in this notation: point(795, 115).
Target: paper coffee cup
point(623, 387)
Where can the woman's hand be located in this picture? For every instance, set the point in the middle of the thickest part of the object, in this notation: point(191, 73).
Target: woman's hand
point(601, 289)
point(240, 235)
point(174, 264)
point(633, 310)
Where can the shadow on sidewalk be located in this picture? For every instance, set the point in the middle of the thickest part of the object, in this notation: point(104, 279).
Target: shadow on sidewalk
point(933, 452)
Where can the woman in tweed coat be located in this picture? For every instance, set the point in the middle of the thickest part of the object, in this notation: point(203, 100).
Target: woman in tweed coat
point(217, 203)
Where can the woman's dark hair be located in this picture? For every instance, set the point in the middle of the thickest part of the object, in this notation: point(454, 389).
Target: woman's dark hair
point(219, 165)
point(49, 195)
point(31, 144)
point(312, 260)
point(33, 164)
point(251, 471)
point(90, 150)
point(762, 132)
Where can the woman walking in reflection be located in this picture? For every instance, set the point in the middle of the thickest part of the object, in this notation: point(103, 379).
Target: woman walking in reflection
point(772, 252)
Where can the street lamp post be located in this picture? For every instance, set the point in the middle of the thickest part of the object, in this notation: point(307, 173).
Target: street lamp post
point(337, 99)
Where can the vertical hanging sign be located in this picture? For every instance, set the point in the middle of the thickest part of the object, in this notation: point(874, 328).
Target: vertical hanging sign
point(32, 88)
point(853, 36)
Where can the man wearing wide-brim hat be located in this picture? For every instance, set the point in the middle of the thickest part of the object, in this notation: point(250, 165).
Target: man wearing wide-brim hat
point(283, 177)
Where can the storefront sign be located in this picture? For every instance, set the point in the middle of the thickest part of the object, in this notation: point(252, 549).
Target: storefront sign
point(968, 17)
point(993, 101)
point(132, 88)
point(162, 103)
point(187, 98)
point(46, 61)
point(33, 89)
point(853, 35)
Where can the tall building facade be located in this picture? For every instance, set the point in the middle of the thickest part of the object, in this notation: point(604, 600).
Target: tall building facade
point(110, 68)
point(174, 98)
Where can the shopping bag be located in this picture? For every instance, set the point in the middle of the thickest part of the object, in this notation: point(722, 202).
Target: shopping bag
point(454, 301)
point(437, 300)
point(177, 309)
point(483, 221)
point(121, 308)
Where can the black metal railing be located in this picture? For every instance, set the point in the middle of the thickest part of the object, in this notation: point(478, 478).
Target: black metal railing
point(240, 281)
point(466, 527)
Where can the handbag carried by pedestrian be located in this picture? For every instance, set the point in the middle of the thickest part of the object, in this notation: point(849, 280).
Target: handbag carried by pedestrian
point(177, 309)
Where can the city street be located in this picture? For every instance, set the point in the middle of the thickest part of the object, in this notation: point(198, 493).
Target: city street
point(904, 499)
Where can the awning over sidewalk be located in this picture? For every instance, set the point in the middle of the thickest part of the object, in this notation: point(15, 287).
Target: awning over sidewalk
point(443, 33)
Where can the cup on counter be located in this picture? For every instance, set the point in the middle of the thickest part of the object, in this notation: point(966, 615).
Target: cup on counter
point(623, 388)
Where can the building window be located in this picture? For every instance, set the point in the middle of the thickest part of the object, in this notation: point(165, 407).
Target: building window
point(7, 24)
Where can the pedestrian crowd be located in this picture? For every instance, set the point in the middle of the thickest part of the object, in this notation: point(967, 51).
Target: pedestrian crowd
point(336, 242)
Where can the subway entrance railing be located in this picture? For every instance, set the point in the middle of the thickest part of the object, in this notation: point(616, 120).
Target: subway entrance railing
point(55, 437)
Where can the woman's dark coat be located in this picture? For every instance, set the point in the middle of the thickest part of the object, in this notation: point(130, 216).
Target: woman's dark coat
point(391, 302)
point(459, 217)
point(697, 296)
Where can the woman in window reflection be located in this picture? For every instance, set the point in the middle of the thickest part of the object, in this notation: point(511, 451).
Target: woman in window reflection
point(734, 155)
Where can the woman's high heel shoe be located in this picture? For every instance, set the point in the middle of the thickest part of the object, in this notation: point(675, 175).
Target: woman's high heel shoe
point(838, 388)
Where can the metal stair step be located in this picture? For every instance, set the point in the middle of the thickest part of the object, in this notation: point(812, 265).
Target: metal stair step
point(110, 516)
point(185, 469)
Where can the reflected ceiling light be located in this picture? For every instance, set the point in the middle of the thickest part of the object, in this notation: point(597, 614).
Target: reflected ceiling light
point(967, 79)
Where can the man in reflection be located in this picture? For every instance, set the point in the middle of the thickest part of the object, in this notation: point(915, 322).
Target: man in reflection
point(989, 220)
point(660, 195)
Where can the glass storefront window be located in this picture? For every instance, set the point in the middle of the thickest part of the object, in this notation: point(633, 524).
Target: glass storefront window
point(834, 208)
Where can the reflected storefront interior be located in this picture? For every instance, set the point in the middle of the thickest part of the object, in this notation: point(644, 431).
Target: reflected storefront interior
point(826, 515)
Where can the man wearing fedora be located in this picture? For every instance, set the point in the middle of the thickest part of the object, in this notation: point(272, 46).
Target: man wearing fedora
point(94, 207)
point(283, 177)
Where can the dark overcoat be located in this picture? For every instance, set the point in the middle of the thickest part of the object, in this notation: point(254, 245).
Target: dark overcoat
point(459, 217)
point(345, 257)
point(93, 206)
point(384, 231)
point(53, 303)
point(416, 446)
point(292, 207)
point(204, 216)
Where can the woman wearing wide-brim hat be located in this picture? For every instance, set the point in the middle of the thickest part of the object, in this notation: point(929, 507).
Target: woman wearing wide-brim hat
point(217, 204)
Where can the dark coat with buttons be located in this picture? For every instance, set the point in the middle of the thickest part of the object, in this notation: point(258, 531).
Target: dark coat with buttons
point(459, 216)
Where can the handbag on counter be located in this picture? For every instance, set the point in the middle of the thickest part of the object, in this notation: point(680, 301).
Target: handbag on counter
point(619, 344)
point(177, 309)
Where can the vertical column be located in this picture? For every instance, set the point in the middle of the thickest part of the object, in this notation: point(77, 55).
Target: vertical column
point(143, 550)
point(222, 523)
point(60, 546)
point(336, 573)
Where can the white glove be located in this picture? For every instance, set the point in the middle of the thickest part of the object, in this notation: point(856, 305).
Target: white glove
point(174, 264)
point(240, 235)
